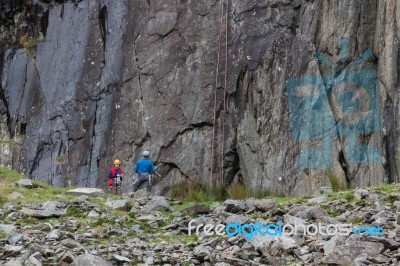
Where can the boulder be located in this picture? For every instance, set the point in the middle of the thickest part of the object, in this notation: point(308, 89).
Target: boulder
point(141, 194)
point(68, 257)
point(197, 209)
point(345, 253)
point(116, 204)
point(93, 214)
point(119, 258)
point(241, 219)
point(25, 182)
point(91, 192)
point(157, 203)
point(90, 260)
point(319, 199)
point(42, 213)
point(264, 204)
point(15, 195)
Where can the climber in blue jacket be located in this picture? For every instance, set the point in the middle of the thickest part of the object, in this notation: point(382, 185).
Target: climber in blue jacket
point(144, 168)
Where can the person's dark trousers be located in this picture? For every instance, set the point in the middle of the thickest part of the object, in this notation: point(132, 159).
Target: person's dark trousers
point(142, 179)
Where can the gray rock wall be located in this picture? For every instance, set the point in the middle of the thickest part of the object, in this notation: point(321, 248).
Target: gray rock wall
point(311, 89)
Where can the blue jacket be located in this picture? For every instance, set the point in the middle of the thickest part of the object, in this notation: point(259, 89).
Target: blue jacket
point(144, 166)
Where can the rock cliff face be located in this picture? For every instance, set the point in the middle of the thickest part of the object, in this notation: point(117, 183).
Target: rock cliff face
point(311, 91)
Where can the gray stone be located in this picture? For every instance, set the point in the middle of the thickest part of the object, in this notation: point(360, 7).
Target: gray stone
point(93, 214)
point(319, 199)
point(396, 204)
point(157, 203)
point(360, 194)
point(241, 219)
point(380, 217)
point(235, 206)
point(54, 234)
point(387, 242)
point(116, 204)
point(312, 213)
point(7, 228)
point(14, 238)
point(50, 205)
point(42, 213)
point(68, 257)
point(15, 195)
point(141, 194)
point(325, 190)
point(344, 216)
point(146, 218)
point(91, 192)
point(69, 243)
point(26, 183)
point(260, 242)
point(197, 209)
point(33, 261)
point(12, 251)
point(121, 258)
point(349, 251)
point(90, 260)
point(264, 204)
point(15, 262)
point(202, 251)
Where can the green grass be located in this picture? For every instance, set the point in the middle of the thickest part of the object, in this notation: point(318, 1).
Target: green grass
point(40, 193)
point(386, 189)
point(75, 212)
point(28, 43)
point(176, 239)
point(337, 183)
point(332, 212)
point(2, 200)
point(191, 190)
point(2, 235)
point(347, 195)
point(356, 220)
point(103, 241)
point(102, 221)
point(147, 228)
point(9, 175)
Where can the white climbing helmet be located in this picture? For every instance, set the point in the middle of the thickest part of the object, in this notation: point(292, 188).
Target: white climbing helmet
point(146, 153)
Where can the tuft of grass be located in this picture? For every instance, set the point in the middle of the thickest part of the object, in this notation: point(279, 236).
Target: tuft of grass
point(10, 175)
point(146, 227)
point(101, 221)
point(218, 192)
point(347, 195)
point(387, 189)
point(59, 159)
point(28, 43)
point(238, 191)
point(75, 212)
point(193, 191)
point(2, 200)
point(190, 190)
point(356, 220)
point(337, 183)
point(176, 239)
point(3, 235)
point(96, 241)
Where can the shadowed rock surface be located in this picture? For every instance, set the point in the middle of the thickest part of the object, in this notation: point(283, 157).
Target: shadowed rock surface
point(98, 80)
